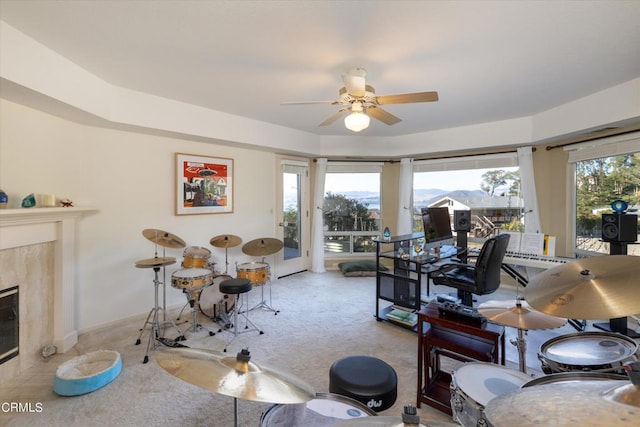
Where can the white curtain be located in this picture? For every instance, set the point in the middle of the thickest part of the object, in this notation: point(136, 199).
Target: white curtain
point(528, 183)
point(405, 198)
point(317, 225)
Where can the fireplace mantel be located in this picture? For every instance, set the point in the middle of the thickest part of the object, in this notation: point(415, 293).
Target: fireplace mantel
point(30, 226)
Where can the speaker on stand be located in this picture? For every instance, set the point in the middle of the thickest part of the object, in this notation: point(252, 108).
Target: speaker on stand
point(462, 227)
point(619, 229)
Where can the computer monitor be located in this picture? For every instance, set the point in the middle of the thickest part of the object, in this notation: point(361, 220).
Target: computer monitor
point(437, 227)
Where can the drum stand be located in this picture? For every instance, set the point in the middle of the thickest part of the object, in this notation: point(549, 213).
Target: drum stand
point(154, 334)
point(263, 302)
point(194, 302)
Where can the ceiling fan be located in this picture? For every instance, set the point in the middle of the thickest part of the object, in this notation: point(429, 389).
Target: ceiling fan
point(359, 101)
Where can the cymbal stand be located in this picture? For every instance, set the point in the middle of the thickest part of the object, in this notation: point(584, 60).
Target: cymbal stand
point(521, 345)
point(263, 303)
point(154, 334)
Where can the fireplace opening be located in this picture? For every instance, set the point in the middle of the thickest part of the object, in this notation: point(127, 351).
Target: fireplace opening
point(9, 320)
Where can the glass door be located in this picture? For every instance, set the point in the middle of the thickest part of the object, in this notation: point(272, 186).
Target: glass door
point(293, 217)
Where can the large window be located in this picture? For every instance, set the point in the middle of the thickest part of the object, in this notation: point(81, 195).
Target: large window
point(488, 186)
point(599, 180)
point(351, 210)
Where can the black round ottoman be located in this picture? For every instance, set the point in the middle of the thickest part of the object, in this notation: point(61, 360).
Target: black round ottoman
point(365, 379)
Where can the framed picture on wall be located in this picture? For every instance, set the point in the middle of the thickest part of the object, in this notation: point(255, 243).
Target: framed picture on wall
point(204, 185)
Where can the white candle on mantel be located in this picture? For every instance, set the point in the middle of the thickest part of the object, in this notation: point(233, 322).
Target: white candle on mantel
point(49, 200)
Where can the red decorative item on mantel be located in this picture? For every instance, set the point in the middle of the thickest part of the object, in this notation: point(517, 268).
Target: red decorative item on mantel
point(66, 203)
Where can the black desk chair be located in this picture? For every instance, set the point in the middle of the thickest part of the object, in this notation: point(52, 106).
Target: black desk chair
point(480, 278)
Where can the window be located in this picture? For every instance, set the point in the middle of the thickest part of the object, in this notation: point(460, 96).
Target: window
point(351, 209)
point(488, 186)
point(604, 171)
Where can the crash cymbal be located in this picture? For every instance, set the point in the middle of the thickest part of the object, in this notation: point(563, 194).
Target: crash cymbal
point(263, 246)
point(518, 314)
point(163, 238)
point(234, 376)
point(582, 403)
point(601, 287)
point(225, 241)
point(155, 262)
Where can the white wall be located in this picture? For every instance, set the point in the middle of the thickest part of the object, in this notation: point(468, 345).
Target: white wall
point(130, 179)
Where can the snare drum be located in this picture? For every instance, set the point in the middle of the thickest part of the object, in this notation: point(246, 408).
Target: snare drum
point(474, 384)
point(191, 278)
point(213, 302)
point(326, 409)
point(587, 351)
point(257, 272)
point(196, 257)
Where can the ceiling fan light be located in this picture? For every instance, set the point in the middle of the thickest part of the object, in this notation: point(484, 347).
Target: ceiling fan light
point(357, 121)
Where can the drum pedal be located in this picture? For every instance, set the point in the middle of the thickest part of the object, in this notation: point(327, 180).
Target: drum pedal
point(171, 343)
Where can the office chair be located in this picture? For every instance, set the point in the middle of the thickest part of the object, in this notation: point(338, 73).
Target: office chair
point(480, 278)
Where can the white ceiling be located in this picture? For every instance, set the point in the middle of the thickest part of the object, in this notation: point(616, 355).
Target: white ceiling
point(488, 60)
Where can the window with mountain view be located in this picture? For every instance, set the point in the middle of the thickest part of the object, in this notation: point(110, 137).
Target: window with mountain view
point(492, 195)
point(351, 212)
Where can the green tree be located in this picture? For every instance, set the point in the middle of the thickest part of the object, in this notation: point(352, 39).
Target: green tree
point(491, 180)
point(343, 214)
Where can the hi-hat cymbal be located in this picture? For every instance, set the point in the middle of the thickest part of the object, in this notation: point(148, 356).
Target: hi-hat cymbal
point(518, 314)
point(225, 241)
point(163, 238)
point(155, 262)
point(601, 287)
point(263, 246)
point(562, 404)
point(234, 376)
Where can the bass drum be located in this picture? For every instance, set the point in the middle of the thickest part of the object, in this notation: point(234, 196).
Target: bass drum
point(587, 351)
point(213, 302)
point(474, 384)
point(326, 409)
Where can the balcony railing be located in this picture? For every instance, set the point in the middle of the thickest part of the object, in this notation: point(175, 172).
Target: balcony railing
point(340, 243)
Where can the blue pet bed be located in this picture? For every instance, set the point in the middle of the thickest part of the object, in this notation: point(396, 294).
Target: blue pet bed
point(87, 373)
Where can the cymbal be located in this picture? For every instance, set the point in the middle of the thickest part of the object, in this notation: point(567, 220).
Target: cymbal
point(582, 403)
point(262, 246)
point(518, 315)
point(164, 238)
point(234, 376)
point(155, 262)
point(225, 241)
point(601, 287)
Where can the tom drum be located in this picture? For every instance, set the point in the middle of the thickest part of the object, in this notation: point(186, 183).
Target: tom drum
point(257, 272)
point(191, 278)
point(587, 351)
point(566, 377)
point(474, 384)
point(196, 257)
point(326, 409)
point(213, 302)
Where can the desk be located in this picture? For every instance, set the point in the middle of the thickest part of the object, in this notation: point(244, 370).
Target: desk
point(455, 338)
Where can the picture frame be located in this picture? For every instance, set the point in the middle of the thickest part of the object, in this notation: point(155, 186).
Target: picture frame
point(204, 185)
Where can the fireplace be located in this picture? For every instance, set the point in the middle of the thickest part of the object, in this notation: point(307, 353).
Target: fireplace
point(9, 324)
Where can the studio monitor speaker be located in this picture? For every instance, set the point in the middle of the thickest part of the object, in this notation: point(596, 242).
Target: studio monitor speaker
point(619, 228)
point(462, 221)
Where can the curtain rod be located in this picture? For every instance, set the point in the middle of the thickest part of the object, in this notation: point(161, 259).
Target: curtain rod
point(425, 158)
point(604, 133)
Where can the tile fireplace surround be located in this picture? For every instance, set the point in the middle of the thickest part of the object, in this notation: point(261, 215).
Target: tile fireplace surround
point(38, 253)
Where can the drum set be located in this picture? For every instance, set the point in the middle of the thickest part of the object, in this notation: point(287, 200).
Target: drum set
point(200, 282)
point(592, 378)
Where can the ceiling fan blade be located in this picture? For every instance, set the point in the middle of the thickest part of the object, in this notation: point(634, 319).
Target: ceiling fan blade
point(355, 85)
point(382, 115)
point(310, 103)
point(407, 98)
point(332, 118)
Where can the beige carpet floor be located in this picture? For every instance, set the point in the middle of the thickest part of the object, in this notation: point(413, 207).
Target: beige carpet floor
point(322, 318)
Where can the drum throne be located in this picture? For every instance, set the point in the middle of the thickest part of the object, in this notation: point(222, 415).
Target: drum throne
point(237, 288)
